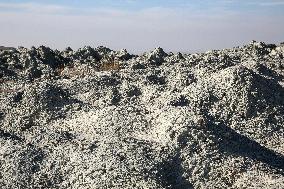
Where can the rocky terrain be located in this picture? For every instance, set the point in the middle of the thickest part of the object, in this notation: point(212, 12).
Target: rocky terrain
point(98, 118)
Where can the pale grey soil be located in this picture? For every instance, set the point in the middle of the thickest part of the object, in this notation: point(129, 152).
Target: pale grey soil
point(96, 118)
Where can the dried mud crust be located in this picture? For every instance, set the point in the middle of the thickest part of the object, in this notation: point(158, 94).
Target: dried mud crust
point(98, 118)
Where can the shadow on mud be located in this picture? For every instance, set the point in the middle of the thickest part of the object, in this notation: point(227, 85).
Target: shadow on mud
point(234, 143)
point(170, 174)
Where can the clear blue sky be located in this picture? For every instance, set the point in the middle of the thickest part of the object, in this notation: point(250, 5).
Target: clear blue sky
point(140, 25)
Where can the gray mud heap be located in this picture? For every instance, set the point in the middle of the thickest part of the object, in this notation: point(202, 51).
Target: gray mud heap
point(97, 118)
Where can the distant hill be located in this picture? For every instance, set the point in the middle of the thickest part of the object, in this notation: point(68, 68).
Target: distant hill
point(2, 48)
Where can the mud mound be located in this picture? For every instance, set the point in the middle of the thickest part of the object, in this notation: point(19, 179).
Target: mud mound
point(98, 118)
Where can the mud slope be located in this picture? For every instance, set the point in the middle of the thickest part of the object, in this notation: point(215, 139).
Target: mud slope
point(97, 118)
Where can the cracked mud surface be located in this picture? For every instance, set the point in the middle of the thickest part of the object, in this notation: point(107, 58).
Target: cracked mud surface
point(97, 118)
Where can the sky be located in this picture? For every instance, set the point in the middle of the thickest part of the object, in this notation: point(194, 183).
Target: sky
point(141, 25)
